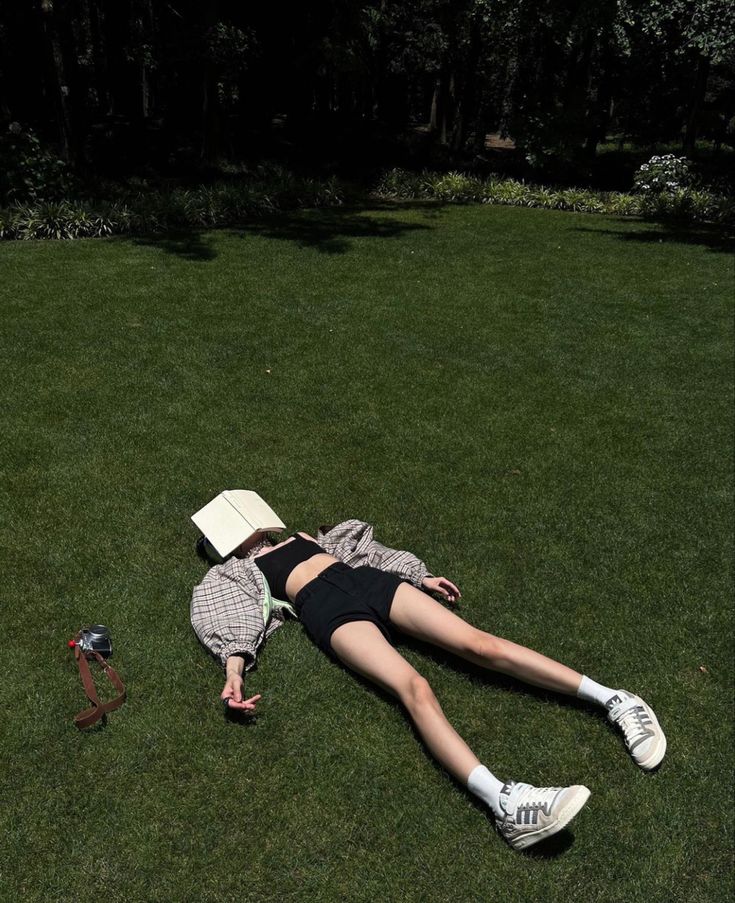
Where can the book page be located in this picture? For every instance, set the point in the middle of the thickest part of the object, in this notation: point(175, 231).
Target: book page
point(223, 525)
point(258, 514)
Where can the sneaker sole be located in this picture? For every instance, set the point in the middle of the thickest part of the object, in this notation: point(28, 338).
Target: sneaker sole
point(571, 808)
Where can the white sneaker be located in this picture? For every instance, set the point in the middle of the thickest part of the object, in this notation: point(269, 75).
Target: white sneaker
point(643, 735)
point(535, 813)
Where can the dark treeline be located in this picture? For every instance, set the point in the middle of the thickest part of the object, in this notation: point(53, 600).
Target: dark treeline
point(119, 86)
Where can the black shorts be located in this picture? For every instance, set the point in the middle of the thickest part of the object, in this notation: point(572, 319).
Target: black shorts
point(341, 594)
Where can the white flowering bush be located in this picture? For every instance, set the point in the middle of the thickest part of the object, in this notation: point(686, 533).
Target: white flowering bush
point(666, 173)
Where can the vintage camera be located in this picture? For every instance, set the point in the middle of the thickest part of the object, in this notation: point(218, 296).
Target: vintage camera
point(95, 638)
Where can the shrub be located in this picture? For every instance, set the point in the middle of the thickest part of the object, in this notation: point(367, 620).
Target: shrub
point(542, 197)
point(400, 184)
point(27, 169)
point(584, 201)
point(666, 173)
point(505, 191)
point(139, 210)
point(454, 186)
point(53, 219)
point(327, 194)
point(687, 203)
point(621, 204)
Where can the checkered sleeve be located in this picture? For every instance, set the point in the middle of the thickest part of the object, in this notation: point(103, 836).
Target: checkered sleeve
point(352, 541)
point(227, 614)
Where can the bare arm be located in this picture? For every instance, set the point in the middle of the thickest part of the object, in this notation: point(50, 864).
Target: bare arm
point(232, 692)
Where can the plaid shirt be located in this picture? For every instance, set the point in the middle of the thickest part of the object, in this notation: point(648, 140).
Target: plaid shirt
point(227, 606)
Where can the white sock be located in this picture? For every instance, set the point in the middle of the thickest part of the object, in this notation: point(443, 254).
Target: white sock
point(484, 784)
point(591, 691)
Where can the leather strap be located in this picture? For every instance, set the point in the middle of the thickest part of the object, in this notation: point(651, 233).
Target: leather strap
point(90, 716)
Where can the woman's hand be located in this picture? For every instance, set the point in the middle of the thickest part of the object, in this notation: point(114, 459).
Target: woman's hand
point(442, 586)
point(232, 694)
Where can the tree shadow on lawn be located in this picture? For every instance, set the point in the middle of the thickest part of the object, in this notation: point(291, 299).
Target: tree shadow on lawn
point(190, 244)
point(715, 238)
point(328, 231)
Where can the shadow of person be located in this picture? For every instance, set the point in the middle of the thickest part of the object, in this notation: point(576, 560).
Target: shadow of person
point(552, 847)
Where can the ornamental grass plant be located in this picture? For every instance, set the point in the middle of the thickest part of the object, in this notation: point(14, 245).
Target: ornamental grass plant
point(269, 189)
point(139, 210)
point(685, 204)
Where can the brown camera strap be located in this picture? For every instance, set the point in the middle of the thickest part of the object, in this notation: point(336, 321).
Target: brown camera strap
point(90, 716)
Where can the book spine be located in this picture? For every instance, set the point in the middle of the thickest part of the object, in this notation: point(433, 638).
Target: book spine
point(239, 511)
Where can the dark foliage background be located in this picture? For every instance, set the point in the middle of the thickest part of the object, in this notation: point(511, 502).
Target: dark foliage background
point(121, 87)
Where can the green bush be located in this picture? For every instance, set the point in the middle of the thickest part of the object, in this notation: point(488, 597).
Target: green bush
point(137, 210)
point(454, 187)
point(689, 204)
point(54, 219)
point(505, 191)
point(623, 204)
point(400, 184)
point(680, 203)
point(27, 169)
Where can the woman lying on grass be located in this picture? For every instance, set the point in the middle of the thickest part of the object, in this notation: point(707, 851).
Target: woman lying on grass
point(347, 589)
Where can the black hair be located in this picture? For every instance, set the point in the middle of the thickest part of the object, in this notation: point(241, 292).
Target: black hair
point(207, 552)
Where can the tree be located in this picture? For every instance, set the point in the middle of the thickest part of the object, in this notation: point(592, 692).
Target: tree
point(701, 32)
point(58, 82)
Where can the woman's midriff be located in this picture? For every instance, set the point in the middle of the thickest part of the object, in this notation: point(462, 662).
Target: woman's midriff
point(306, 572)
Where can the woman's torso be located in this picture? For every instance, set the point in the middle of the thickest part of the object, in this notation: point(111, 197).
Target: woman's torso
point(303, 572)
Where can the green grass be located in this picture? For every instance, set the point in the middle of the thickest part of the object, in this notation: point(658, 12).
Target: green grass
point(537, 403)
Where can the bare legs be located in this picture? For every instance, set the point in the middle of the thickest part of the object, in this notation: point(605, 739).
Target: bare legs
point(363, 648)
point(417, 614)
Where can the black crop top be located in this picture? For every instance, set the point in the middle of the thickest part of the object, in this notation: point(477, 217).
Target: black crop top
point(278, 564)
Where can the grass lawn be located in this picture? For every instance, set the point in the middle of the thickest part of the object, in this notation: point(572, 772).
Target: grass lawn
point(539, 404)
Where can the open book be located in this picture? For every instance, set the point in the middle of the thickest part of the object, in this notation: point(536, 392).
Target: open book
point(233, 516)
